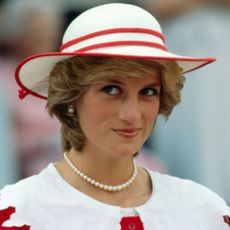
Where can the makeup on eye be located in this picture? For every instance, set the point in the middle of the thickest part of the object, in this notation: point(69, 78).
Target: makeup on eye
point(114, 88)
point(149, 91)
point(111, 89)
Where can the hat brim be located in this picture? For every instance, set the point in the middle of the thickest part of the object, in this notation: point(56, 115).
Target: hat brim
point(32, 73)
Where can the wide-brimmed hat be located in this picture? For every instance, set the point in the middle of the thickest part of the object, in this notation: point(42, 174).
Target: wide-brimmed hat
point(113, 30)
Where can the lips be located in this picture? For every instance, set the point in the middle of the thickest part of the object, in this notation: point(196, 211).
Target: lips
point(129, 133)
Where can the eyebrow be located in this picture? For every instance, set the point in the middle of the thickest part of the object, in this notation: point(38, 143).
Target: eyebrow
point(122, 83)
point(115, 81)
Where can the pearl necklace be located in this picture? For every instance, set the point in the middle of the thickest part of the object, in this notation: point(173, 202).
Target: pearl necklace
point(100, 185)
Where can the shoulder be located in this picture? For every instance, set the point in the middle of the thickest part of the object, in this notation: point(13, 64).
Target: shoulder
point(24, 190)
point(184, 204)
point(20, 202)
point(188, 192)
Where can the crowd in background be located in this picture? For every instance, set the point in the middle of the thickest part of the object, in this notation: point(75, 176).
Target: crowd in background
point(193, 143)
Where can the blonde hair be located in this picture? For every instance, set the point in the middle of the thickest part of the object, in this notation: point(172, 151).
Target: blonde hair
point(73, 76)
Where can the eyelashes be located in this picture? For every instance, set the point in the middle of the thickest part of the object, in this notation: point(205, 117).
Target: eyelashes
point(114, 90)
point(149, 92)
point(111, 90)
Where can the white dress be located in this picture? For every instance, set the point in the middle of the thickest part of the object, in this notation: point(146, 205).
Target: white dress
point(47, 202)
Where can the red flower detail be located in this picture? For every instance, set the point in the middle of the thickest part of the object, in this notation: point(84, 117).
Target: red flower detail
point(5, 215)
point(227, 220)
point(131, 223)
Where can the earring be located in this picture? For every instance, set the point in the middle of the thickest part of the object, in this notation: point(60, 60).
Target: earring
point(70, 109)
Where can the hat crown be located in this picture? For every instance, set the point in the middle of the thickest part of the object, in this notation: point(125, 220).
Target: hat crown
point(110, 30)
point(110, 16)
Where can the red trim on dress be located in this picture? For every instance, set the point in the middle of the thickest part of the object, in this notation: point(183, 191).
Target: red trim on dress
point(112, 31)
point(5, 215)
point(131, 223)
point(227, 220)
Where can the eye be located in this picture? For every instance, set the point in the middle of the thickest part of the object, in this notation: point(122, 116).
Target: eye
point(111, 89)
point(149, 92)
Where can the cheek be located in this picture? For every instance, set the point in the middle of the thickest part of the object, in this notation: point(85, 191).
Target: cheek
point(94, 115)
point(151, 111)
point(103, 111)
point(150, 120)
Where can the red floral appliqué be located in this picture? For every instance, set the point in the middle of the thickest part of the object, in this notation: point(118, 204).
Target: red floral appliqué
point(227, 220)
point(131, 223)
point(5, 215)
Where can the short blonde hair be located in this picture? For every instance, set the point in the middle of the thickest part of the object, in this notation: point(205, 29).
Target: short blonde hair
point(73, 76)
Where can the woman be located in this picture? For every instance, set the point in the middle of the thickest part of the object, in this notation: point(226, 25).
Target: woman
point(107, 86)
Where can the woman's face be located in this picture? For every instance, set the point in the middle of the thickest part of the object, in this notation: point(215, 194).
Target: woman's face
point(117, 114)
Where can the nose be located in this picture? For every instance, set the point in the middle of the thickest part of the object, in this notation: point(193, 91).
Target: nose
point(130, 110)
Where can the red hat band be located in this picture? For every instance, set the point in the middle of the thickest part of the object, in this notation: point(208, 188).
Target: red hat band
point(115, 37)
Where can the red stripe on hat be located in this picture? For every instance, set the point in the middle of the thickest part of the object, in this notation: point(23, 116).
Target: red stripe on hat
point(204, 61)
point(112, 31)
point(121, 43)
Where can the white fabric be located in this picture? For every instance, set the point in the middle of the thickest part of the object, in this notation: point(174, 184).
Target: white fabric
point(96, 19)
point(128, 212)
point(46, 202)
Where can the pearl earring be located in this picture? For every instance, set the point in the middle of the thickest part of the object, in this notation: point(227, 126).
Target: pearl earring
point(70, 109)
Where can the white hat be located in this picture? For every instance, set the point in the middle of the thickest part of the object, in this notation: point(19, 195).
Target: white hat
point(114, 30)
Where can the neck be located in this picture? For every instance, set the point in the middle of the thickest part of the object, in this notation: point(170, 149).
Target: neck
point(103, 168)
point(110, 172)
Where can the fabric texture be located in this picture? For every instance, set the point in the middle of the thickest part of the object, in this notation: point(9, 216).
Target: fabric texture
point(46, 201)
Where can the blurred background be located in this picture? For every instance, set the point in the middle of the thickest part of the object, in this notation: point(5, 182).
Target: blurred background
point(193, 143)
